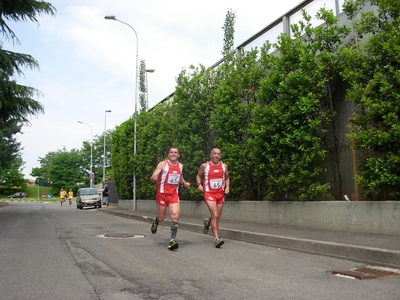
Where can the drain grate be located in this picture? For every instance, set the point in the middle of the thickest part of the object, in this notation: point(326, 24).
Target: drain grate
point(122, 235)
point(368, 272)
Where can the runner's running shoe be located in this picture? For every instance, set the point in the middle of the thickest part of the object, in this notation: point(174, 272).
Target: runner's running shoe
point(218, 242)
point(173, 244)
point(206, 226)
point(154, 226)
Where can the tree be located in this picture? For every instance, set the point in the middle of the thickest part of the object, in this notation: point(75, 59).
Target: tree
point(42, 172)
point(229, 32)
point(98, 152)
point(9, 146)
point(294, 126)
point(234, 99)
point(215, 108)
point(191, 107)
point(274, 115)
point(64, 169)
point(17, 102)
point(156, 135)
point(12, 176)
point(142, 86)
point(122, 158)
point(372, 70)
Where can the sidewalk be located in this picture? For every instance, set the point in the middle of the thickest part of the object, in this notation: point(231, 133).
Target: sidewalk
point(373, 249)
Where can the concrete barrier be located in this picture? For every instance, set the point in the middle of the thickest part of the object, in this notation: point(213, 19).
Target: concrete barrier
point(376, 217)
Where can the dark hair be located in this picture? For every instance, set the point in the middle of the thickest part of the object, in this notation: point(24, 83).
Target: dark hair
point(174, 148)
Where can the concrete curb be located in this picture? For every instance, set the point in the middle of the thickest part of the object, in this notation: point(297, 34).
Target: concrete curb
point(366, 255)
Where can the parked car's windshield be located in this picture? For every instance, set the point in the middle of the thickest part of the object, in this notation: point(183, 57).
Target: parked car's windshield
point(87, 192)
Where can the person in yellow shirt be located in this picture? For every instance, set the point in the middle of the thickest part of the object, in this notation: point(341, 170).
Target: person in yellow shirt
point(70, 196)
point(63, 195)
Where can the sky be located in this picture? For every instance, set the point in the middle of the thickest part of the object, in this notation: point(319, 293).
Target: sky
point(88, 63)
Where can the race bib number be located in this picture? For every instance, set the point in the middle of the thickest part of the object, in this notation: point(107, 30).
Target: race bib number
point(173, 178)
point(215, 183)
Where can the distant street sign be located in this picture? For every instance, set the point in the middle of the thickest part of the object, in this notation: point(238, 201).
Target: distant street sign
point(91, 175)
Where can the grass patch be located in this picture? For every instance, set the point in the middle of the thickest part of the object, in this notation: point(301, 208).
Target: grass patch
point(35, 193)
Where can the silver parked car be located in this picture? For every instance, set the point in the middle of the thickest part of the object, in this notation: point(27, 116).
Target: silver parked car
point(18, 195)
point(88, 197)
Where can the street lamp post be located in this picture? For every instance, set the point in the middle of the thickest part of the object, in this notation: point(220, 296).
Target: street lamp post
point(147, 87)
point(135, 116)
point(104, 148)
point(38, 191)
point(91, 152)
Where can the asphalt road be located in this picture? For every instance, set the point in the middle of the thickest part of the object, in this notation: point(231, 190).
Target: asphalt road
point(53, 252)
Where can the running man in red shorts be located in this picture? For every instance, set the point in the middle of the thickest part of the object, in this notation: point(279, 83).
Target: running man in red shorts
point(213, 180)
point(168, 175)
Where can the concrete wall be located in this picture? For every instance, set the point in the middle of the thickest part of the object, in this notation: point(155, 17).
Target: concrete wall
point(377, 217)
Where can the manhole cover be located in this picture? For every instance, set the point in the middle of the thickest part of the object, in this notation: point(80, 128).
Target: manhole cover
point(368, 272)
point(121, 236)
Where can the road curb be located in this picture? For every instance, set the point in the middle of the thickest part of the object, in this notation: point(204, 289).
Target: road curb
point(366, 255)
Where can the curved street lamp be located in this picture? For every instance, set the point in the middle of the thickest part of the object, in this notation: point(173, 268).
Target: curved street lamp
point(113, 18)
point(91, 152)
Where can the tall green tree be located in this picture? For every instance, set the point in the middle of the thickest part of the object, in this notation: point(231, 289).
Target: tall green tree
point(122, 158)
point(234, 99)
point(192, 106)
point(98, 154)
point(372, 70)
point(12, 176)
point(63, 169)
point(43, 172)
point(229, 33)
point(9, 146)
point(142, 86)
point(86, 153)
point(274, 115)
point(294, 125)
point(17, 102)
point(66, 170)
point(156, 134)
